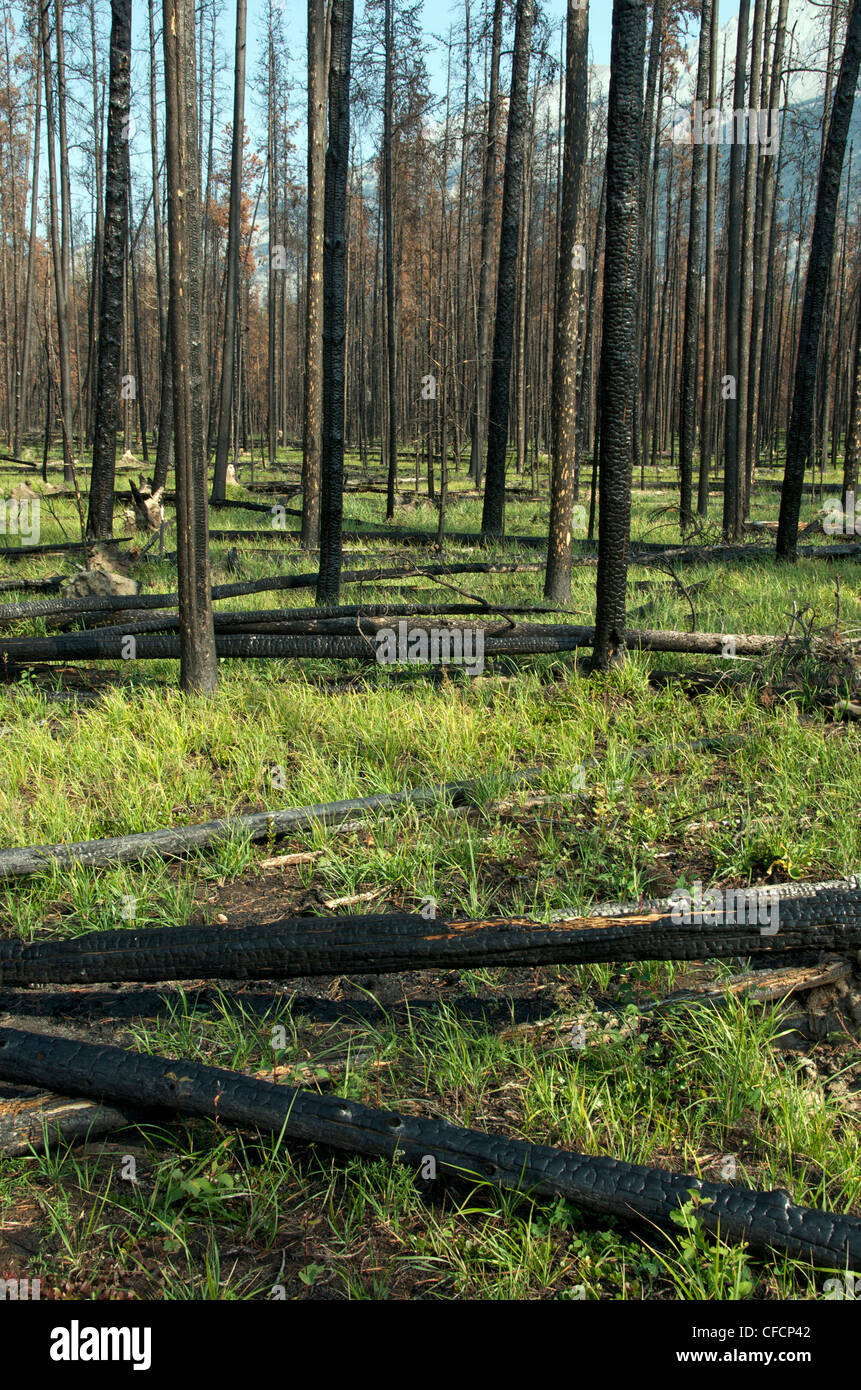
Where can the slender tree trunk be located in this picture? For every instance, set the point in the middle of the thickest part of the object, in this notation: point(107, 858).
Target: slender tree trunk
point(231, 310)
point(388, 232)
point(853, 433)
point(707, 424)
point(198, 663)
point(482, 367)
point(100, 518)
point(313, 419)
point(732, 439)
point(618, 346)
point(60, 282)
point(493, 516)
point(691, 341)
point(31, 249)
point(815, 290)
point(557, 582)
point(335, 302)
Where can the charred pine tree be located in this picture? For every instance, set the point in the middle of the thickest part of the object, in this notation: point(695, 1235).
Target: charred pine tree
point(852, 449)
point(479, 425)
point(493, 515)
point(800, 436)
point(312, 434)
point(389, 259)
point(198, 663)
point(335, 302)
point(618, 346)
point(231, 309)
point(569, 293)
point(691, 332)
point(732, 440)
point(707, 421)
point(100, 517)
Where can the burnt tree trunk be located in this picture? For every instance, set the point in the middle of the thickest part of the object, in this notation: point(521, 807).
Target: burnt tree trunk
point(618, 345)
point(198, 663)
point(691, 339)
point(799, 439)
point(557, 582)
point(100, 517)
point(493, 516)
point(479, 427)
point(335, 302)
point(313, 397)
point(231, 309)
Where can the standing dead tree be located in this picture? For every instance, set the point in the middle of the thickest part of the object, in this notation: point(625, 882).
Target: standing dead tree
point(557, 583)
point(335, 302)
point(616, 385)
point(493, 517)
point(800, 438)
point(100, 518)
point(199, 667)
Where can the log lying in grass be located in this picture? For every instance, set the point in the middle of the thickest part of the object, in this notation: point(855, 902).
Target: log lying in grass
point(68, 607)
point(30, 1121)
point(180, 840)
point(390, 533)
point(606, 1186)
point(388, 943)
point(50, 585)
point(520, 639)
point(20, 552)
point(293, 622)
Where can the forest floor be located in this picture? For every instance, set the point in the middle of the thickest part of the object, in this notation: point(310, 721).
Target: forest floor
point(213, 1214)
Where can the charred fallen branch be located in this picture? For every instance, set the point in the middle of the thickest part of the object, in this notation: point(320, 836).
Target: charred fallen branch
point(180, 840)
point(519, 639)
point(69, 607)
point(752, 923)
point(765, 1220)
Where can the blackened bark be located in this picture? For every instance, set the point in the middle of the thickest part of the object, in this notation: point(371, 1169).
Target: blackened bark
point(231, 310)
point(479, 428)
point(198, 663)
point(313, 400)
point(493, 516)
point(100, 517)
point(815, 290)
point(557, 582)
point(707, 424)
point(388, 229)
point(618, 345)
point(732, 438)
point(335, 302)
point(853, 432)
point(691, 332)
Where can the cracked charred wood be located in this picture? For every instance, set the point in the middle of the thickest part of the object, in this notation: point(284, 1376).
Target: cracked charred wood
point(31, 1123)
point(523, 639)
point(386, 943)
point(606, 1186)
point(174, 841)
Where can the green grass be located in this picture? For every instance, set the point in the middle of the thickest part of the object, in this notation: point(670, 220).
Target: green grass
point(214, 1215)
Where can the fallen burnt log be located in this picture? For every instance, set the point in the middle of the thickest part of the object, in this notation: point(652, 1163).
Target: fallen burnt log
point(179, 840)
point(68, 607)
point(32, 1120)
point(520, 639)
point(469, 538)
point(20, 552)
point(751, 924)
point(606, 1186)
point(292, 622)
